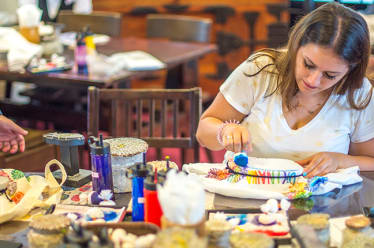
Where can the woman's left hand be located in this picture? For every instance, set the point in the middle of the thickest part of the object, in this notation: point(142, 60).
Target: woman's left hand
point(322, 163)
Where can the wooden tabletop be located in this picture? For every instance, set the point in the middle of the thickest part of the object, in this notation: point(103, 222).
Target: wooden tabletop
point(172, 53)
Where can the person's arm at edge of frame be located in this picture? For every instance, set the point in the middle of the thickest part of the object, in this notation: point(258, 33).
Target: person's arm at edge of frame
point(212, 119)
point(17, 141)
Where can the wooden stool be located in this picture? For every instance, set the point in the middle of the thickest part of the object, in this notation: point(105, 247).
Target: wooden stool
point(35, 156)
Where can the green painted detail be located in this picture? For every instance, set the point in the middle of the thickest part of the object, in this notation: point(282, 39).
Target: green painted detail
point(16, 174)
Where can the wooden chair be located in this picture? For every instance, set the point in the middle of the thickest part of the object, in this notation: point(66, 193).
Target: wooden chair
point(100, 22)
point(130, 118)
point(181, 28)
point(178, 27)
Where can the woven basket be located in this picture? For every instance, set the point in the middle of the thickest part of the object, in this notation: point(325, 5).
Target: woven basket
point(198, 227)
point(137, 228)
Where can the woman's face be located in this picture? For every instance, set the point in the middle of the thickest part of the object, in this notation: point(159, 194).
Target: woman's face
point(318, 69)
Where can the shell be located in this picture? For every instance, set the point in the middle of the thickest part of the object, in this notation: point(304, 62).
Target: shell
point(50, 222)
point(357, 222)
point(4, 182)
point(250, 240)
point(126, 147)
point(161, 165)
point(317, 221)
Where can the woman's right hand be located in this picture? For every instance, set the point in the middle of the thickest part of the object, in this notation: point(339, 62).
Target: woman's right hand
point(236, 138)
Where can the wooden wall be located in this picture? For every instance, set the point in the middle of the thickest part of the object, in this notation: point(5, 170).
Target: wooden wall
point(230, 21)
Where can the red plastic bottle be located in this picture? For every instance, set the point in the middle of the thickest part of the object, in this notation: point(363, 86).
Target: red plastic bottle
point(152, 208)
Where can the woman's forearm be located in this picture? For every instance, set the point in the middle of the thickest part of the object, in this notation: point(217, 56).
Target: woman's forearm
point(366, 163)
point(207, 133)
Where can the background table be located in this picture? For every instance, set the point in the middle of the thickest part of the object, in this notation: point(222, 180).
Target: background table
point(181, 57)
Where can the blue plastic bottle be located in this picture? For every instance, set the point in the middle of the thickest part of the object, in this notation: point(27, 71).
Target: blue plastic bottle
point(101, 165)
point(139, 172)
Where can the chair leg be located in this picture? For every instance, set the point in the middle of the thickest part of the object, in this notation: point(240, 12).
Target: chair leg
point(209, 155)
point(183, 156)
point(158, 153)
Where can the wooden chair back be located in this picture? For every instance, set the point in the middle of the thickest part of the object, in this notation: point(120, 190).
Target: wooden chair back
point(178, 27)
point(100, 22)
point(133, 113)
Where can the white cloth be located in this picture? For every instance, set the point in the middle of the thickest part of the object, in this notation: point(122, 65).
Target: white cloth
point(342, 177)
point(242, 189)
point(29, 15)
point(82, 7)
point(20, 51)
point(53, 6)
point(331, 130)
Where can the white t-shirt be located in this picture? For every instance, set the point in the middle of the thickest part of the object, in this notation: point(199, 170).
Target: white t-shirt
point(331, 130)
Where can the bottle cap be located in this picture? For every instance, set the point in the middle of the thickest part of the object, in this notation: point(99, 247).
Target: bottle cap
point(87, 31)
point(140, 170)
point(98, 147)
point(78, 235)
point(80, 38)
point(161, 177)
point(149, 182)
point(103, 242)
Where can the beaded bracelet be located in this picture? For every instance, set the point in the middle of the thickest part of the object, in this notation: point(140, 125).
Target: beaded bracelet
point(220, 130)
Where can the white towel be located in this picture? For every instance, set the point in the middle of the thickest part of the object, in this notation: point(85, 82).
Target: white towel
point(242, 189)
point(340, 178)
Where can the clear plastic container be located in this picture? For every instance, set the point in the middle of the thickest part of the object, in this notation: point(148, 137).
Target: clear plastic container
point(121, 183)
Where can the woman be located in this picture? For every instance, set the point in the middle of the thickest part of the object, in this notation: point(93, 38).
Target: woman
point(310, 102)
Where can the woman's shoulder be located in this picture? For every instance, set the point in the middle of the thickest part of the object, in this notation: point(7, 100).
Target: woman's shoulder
point(262, 57)
point(364, 91)
point(262, 61)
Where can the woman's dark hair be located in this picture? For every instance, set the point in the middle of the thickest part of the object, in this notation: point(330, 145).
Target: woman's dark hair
point(334, 26)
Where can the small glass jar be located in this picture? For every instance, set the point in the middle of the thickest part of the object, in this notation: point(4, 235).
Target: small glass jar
point(320, 224)
point(47, 231)
point(218, 233)
point(358, 231)
point(251, 240)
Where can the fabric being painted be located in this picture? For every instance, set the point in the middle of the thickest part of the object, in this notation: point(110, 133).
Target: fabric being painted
point(243, 189)
point(259, 171)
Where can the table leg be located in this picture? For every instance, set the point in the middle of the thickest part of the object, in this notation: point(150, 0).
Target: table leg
point(8, 88)
point(174, 78)
point(184, 76)
point(190, 74)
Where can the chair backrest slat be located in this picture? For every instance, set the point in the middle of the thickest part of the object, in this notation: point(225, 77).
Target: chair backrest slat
point(139, 111)
point(99, 22)
point(179, 27)
point(175, 117)
point(163, 117)
point(151, 117)
point(114, 115)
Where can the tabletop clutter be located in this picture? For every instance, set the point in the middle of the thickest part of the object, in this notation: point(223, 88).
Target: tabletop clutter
point(168, 205)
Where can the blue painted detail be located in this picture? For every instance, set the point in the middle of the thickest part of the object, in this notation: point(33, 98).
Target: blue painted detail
point(110, 215)
point(315, 182)
point(241, 159)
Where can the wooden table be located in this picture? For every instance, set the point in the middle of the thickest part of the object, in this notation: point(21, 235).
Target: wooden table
point(348, 201)
point(180, 57)
point(173, 53)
